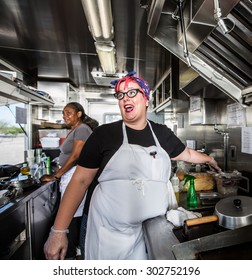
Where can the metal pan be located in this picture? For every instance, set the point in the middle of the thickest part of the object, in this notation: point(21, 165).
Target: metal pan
point(230, 212)
point(24, 184)
point(234, 212)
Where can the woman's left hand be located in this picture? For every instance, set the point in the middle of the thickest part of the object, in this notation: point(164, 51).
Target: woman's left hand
point(214, 165)
point(55, 247)
point(47, 178)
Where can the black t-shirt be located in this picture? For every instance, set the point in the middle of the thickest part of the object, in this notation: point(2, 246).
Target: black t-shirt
point(107, 139)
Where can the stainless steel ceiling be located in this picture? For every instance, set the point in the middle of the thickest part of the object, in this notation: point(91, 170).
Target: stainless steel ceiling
point(50, 40)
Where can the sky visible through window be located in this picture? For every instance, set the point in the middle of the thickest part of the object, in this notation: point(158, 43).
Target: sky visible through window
point(11, 147)
point(8, 113)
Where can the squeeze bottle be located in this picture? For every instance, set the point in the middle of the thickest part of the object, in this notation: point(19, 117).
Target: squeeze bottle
point(191, 197)
point(175, 185)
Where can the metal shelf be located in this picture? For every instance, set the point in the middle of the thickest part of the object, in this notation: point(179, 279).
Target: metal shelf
point(18, 92)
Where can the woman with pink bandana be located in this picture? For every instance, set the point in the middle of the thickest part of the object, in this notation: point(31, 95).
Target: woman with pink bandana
point(130, 163)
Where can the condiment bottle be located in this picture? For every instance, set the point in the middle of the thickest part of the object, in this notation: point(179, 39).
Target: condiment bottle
point(191, 197)
point(25, 170)
point(48, 165)
point(175, 185)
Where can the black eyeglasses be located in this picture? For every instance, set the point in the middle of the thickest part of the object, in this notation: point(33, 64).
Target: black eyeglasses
point(130, 93)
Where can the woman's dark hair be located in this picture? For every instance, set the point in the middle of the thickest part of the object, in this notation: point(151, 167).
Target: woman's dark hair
point(92, 123)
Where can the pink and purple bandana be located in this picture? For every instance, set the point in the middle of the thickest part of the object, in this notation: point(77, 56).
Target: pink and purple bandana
point(130, 77)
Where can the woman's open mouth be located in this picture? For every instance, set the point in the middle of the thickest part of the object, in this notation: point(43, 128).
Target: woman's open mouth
point(128, 108)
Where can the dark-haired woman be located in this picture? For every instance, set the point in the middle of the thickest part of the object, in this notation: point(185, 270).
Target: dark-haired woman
point(81, 128)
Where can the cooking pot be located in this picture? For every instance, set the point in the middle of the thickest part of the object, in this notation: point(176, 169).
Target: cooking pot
point(230, 212)
point(8, 194)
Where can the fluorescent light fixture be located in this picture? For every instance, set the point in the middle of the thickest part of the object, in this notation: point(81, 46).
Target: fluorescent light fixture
point(102, 79)
point(106, 54)
point(99, 18)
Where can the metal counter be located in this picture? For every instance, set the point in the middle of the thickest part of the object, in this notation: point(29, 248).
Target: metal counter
point(159, 235)
point(25, 222)
point(159, 238)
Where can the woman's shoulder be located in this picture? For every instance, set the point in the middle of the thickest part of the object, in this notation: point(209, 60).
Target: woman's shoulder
point(83, 128)
point(82, 132)
point(158, 127)
point(163, 132)
point(113, 127)
point(107, 134)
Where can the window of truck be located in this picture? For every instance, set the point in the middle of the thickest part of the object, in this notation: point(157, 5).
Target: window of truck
point(12, 133)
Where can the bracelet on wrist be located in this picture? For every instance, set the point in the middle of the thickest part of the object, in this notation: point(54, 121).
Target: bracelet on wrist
point(57, 178)
point(59, 230)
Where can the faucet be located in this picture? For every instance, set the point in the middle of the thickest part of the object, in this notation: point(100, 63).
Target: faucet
point(225, 135)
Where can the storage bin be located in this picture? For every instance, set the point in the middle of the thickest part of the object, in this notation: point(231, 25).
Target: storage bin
point(52, 138)
point(61, 133)
point(50, 142)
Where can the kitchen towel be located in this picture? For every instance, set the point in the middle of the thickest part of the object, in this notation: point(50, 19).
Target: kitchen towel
point(179, 215)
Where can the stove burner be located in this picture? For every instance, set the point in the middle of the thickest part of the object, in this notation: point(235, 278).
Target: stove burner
point(15, 187)
point(10, 193)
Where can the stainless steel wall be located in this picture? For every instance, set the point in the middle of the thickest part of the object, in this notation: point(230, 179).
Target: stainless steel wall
point(205, 136)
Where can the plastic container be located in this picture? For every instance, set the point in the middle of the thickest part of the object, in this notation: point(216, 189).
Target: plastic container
point(50, 142)
point(52, 138)
point(228, 182)
point(61, 133)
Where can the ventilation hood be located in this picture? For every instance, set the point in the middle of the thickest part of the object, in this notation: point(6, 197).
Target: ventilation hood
point(223, 60)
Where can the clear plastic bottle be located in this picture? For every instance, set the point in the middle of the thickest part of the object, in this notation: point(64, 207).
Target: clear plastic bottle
point(175, 185)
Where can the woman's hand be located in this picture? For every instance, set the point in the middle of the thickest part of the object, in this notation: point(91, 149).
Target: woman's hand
point(56, 245)
point(213, 165)
point(47, 178)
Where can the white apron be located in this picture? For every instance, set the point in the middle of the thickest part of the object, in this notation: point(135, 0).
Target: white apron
point(133, 187)
point(64, 181)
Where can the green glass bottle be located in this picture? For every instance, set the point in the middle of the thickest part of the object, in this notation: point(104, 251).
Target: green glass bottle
point(191, 197)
